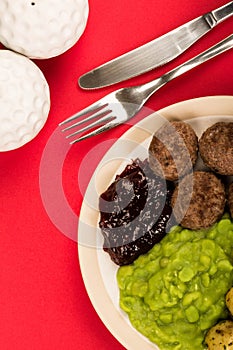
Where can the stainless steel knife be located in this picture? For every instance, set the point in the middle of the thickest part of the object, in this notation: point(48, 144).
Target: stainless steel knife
point(156, 52)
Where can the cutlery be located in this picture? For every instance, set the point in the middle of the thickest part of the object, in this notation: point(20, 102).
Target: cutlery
point(156, 52)
point(121, 105)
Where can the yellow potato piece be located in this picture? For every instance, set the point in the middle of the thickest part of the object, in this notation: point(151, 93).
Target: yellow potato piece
point(229, 300)
point(220, 337)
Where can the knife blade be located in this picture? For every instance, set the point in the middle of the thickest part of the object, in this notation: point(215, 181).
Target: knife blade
point(156, 52)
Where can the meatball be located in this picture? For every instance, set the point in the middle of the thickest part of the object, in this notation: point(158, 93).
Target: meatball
point(216, 148)
point(220, 336)
point(230, 199)
point(173, 150)
point(198, 200)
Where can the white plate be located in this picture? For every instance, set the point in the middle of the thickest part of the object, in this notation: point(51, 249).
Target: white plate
point(98, 271)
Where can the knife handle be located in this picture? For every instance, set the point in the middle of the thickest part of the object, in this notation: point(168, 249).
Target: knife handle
point(217, 16)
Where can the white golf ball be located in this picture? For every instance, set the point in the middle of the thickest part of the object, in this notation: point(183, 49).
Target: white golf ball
point(24, 100)
point(42, 28)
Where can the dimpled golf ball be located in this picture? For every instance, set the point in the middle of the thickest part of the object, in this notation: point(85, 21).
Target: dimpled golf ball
point(24, 100)
point(42, 28)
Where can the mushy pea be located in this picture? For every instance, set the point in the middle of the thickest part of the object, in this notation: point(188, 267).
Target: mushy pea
point(176, 292)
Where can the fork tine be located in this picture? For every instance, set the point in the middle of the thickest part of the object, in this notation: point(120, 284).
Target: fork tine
point(98, 131)
point(104, 119)
point(89, 109)
point(98, 114)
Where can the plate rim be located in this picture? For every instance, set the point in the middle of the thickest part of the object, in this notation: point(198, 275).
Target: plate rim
point(213, 105)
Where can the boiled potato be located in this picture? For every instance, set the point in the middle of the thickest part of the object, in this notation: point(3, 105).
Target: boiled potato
point(220, 337)
point(229, 300)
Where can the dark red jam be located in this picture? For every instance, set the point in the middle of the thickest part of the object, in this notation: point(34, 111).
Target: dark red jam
point(135, 212)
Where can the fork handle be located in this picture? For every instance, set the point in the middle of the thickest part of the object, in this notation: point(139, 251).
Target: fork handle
point(215, 50)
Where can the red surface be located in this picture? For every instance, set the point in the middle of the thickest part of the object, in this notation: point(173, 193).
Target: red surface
point(43, 302)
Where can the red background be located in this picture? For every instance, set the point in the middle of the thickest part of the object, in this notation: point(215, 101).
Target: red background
point(43, 302)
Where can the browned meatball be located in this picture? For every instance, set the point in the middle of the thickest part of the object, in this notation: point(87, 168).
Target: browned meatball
point(230, 199)
point(173, 150)
point(216, 148)
point(199, 200)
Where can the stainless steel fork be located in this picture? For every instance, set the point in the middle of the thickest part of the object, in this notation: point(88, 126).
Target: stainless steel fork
point(123, 104)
